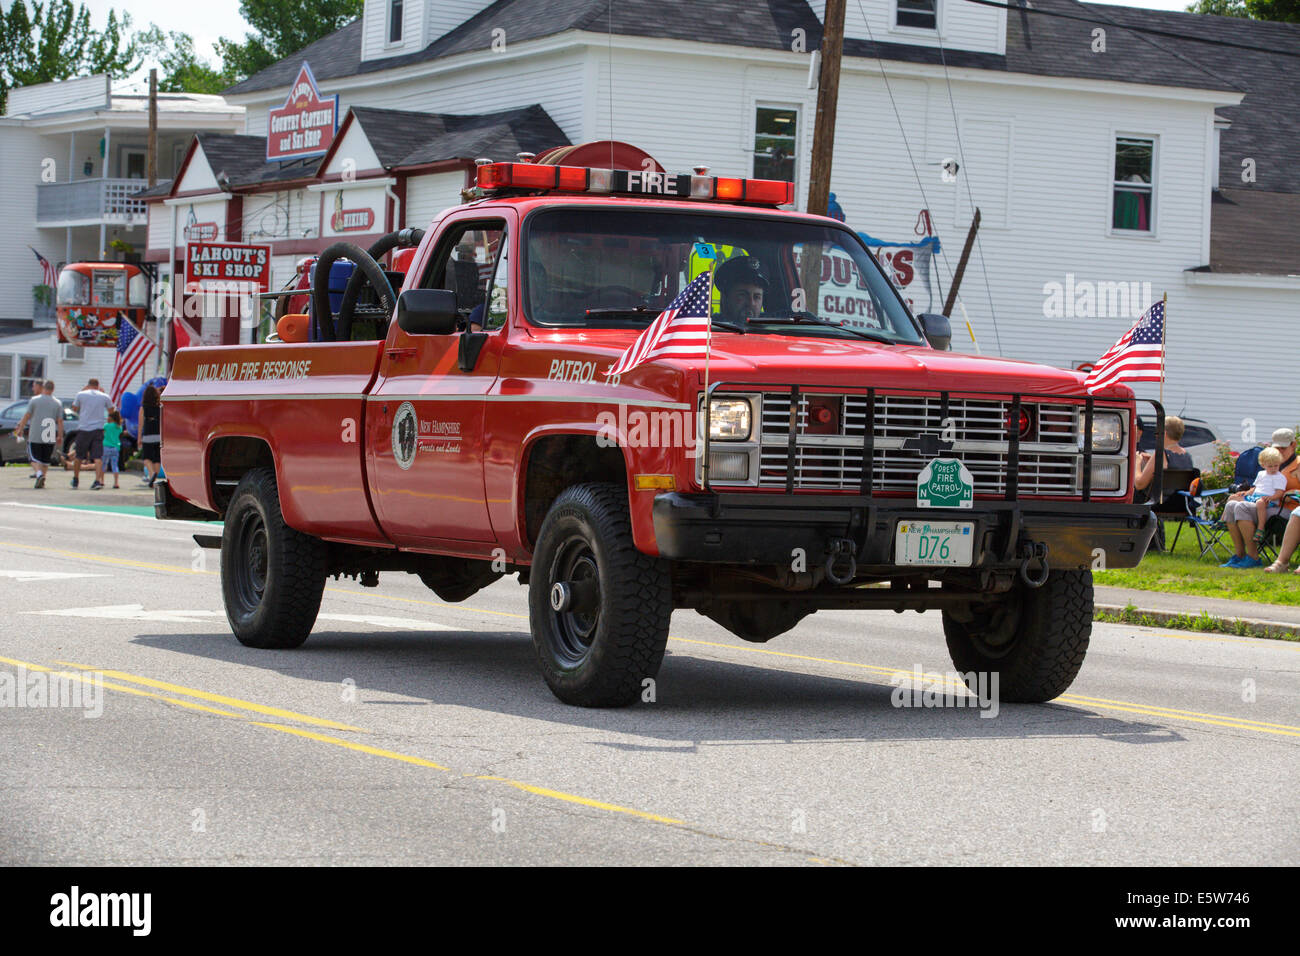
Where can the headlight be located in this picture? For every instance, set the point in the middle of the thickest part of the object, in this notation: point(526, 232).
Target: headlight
point(729, 419)
point(1105, 476)
point(1107, 432)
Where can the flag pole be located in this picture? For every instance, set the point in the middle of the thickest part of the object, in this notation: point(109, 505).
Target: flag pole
point(1164, 341)
point(708, 350)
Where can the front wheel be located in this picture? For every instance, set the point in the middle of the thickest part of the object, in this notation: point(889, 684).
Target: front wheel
point(1035, 639)
point(598, 608)
point(272, 577)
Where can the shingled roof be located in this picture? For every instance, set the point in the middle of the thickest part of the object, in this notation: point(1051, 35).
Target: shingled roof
point(401, 138)
point(243, 160)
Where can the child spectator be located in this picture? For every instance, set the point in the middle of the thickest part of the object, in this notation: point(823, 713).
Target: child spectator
point(1270, 486)
point(112, 444)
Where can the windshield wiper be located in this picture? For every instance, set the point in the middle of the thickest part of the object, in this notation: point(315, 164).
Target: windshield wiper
point(638, 310)
point(729, 326)
point(818, 320)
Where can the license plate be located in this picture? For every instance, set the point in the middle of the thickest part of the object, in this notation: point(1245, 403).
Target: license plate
point(945, 543)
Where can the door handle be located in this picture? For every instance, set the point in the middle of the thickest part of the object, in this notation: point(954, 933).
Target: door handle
point(399, 353)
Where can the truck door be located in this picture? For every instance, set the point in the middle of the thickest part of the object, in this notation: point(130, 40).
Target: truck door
point(426, 413)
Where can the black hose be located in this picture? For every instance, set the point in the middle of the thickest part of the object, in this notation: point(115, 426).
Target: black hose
point(320, 296)
point(401, 239)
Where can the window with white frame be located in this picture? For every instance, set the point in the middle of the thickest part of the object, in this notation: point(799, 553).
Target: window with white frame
point(7, 377)
point(776, 138)
point(31, 372)
point(920, 14)
point(395, 21)
point(1133, 191)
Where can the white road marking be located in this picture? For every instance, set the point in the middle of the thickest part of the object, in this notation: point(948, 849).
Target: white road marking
point(406, 624)
point(25, 577)
point(208, 525)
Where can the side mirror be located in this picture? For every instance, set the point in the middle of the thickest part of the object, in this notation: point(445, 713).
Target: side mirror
point(938, 330)
point(427, 312)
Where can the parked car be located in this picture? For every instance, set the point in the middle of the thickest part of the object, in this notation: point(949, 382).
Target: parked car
point(11, 449)
point(1199, 439)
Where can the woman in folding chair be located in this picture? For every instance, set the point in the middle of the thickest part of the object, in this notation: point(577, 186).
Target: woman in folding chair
point(1178, 466)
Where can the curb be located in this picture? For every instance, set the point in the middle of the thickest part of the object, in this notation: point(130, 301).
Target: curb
point(1241, 627)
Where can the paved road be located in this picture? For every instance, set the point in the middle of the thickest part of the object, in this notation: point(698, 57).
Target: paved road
point(408, 730)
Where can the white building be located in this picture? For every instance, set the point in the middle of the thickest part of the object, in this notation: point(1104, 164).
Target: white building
point(75, 155)
point(1112, 162)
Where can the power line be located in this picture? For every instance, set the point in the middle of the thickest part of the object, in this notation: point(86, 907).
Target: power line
point(1136, 29)
point(906, 145)
point(970, 196)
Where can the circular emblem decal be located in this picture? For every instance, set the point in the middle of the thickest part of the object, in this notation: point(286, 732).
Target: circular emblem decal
point(405, 427)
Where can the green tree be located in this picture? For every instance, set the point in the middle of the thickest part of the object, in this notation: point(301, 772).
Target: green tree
point(283, 28)
point(180, 69)
point(56, 41)
point(1284, 11)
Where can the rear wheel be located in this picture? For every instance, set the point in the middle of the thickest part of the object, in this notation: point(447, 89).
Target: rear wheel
point(598, 608)
point(1035, 639)
point(272, 577)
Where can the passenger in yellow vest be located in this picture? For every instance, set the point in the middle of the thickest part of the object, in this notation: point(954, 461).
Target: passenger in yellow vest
point(743, 285)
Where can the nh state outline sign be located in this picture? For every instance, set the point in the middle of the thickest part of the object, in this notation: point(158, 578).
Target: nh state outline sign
point(305, 125)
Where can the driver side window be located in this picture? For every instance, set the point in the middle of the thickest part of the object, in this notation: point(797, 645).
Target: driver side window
point(465, 263)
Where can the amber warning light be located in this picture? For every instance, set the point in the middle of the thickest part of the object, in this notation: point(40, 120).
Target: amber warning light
point(631, 182)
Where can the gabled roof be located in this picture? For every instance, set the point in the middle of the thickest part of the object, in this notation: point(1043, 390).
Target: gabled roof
point(1254, 232)
point(401, 138)
point(243, 160)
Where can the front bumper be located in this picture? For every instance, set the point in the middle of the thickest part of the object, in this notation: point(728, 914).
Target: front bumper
point(766, 529)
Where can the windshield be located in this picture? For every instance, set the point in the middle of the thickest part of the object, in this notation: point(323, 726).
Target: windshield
point(616, 268)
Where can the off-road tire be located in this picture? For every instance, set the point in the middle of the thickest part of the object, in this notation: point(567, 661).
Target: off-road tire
point(1038, 647)
point(599, 658)
point(272, 577)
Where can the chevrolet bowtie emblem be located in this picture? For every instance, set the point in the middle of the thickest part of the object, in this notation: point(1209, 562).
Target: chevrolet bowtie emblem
point(927, 445)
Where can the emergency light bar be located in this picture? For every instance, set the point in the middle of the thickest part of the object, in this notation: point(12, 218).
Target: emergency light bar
point(633, 182)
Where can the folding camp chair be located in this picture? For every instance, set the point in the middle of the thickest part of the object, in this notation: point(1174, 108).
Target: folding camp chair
point(1171, 507)
point(1274, 528)
point(1201, 518)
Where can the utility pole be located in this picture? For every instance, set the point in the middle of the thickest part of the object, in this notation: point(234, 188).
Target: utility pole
point(828, 92)
point(961, 265)
point(153, 128)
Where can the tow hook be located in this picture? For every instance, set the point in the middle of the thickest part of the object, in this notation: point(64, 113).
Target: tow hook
point(841, 555)
point(1032, 550)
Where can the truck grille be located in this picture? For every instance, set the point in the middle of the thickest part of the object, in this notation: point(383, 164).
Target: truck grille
point(829, 442)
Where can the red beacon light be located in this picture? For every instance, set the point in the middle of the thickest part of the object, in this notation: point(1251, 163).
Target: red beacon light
point(494, 177)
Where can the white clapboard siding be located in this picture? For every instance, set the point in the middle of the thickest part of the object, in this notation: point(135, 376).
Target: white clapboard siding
point(426, 196)
point(962, 25)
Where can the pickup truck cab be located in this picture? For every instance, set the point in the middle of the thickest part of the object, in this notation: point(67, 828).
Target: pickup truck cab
point(823, 452)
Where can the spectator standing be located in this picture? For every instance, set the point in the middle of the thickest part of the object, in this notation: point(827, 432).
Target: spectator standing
point(45, 415)
point(149, 428)
point(92, 406)
point(112, 444)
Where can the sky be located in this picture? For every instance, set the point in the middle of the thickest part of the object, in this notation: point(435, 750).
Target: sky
point(206, 20)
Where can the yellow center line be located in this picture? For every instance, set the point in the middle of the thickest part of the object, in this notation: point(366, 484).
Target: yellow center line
point(584, 801)
point(352, 745)
point(101, 559)
point(1099, 703)
point(215, 698)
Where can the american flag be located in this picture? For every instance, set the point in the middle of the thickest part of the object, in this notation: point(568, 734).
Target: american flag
point(1137, 357)
point(47, 271)
point(133, 350)
point(681, 330)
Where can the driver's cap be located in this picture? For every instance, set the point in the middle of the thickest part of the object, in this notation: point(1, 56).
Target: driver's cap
point(746, 270)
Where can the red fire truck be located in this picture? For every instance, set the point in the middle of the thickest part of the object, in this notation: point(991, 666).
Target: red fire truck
point(818, 459)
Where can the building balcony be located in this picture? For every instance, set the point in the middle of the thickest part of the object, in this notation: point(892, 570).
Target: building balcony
point(91, 202)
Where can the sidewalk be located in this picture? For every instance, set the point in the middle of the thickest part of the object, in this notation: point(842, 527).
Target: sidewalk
point(16, 485)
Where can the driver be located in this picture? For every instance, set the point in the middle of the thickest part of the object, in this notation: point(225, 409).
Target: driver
point(743, 284)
